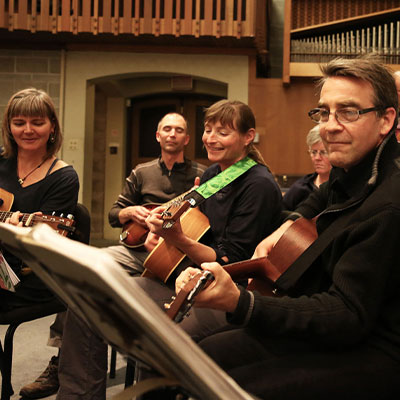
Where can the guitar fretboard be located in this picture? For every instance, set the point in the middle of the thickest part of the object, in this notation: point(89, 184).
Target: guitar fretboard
point(177, 200)
point(24, 217)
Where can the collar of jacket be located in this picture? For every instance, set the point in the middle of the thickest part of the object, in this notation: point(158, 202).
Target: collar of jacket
point(355, 185)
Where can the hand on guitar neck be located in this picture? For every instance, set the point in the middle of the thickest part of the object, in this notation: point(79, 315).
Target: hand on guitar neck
point(282, 248)
point(221, 294)
point(62, 225)
point(135, 230)
point(165, 222)
point(16, 218)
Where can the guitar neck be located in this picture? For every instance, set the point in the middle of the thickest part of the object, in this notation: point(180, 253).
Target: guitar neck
point(23, 217)
point(61, 225)
point(177, 199)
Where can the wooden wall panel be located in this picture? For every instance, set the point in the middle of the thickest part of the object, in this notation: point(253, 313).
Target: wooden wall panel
point(282, 121)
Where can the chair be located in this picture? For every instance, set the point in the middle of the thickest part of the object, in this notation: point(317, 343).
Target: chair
point(131, 370)
point(16, 317)
point(96, 288)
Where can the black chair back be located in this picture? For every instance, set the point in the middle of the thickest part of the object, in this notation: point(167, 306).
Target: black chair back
point(82, 224)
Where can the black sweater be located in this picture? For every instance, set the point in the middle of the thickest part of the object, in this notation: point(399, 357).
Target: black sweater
point(153, 182)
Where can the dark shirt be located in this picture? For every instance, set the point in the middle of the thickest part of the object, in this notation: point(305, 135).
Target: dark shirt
point(57, 192)
point(299, 191)
point(153, 182)
point(243, 213)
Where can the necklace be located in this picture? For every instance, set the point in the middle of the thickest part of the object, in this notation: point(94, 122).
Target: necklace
point(22, 180)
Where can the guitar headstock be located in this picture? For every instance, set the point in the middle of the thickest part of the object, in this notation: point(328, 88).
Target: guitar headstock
point(62, 225)
point(173, 213)
point(180, 305)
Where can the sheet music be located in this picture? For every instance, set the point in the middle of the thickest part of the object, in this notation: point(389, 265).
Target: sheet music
point(8, 278)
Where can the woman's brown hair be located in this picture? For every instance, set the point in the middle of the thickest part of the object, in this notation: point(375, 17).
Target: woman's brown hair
point(238, 116)
point(30, 102)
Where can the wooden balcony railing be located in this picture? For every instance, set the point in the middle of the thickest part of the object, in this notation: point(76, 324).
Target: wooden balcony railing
point(217, 18)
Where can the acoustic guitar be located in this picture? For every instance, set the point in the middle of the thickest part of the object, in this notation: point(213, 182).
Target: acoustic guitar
point(134, 235)
point(62, 225)
point(164, 258)
point(262, 272)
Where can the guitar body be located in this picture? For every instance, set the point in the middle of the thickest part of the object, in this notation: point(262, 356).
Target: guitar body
point(261, 272)
point(265, 271)
point(134, 235)
point(164, 258)
point(6, 200)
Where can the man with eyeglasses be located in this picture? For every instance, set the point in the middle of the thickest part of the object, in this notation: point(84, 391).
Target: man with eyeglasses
point(335, 331)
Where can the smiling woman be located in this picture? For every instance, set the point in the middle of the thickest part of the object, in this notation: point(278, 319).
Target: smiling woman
point(38, 180)
point(32, 135)
point(229, 129)
point(30, 171)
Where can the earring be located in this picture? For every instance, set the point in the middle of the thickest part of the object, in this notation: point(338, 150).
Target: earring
point(52, 138)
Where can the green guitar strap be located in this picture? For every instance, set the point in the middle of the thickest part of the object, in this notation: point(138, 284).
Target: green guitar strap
point(213, 185)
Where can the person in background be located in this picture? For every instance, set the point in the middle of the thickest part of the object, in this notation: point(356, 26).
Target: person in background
point(335, 331)
point(39, 181)
point(301, 189)
point(155, 182)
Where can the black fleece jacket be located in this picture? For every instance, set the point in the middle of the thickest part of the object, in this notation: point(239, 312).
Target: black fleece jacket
point(349, 296)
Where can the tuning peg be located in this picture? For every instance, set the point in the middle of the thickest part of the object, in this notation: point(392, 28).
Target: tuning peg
point(168, 305)
point(70, 216)
point(53, 213)
point(61, 215)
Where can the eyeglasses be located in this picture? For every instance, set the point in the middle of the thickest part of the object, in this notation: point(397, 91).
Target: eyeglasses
point(322, 153)
point(343, 115)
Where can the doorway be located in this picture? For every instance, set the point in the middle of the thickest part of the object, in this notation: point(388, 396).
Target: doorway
point(143, 116)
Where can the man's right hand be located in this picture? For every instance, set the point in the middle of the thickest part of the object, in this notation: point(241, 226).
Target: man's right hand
point(134, 213)
point(264, 247)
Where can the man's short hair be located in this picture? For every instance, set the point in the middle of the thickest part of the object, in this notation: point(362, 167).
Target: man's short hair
point(368, 68)
point(173, 113)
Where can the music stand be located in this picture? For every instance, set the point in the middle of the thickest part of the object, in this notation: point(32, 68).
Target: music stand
point(99, 291)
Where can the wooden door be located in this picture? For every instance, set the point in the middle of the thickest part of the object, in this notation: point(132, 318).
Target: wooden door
point(142, 120)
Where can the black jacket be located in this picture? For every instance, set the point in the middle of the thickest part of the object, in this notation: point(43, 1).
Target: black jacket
point(351, 294)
